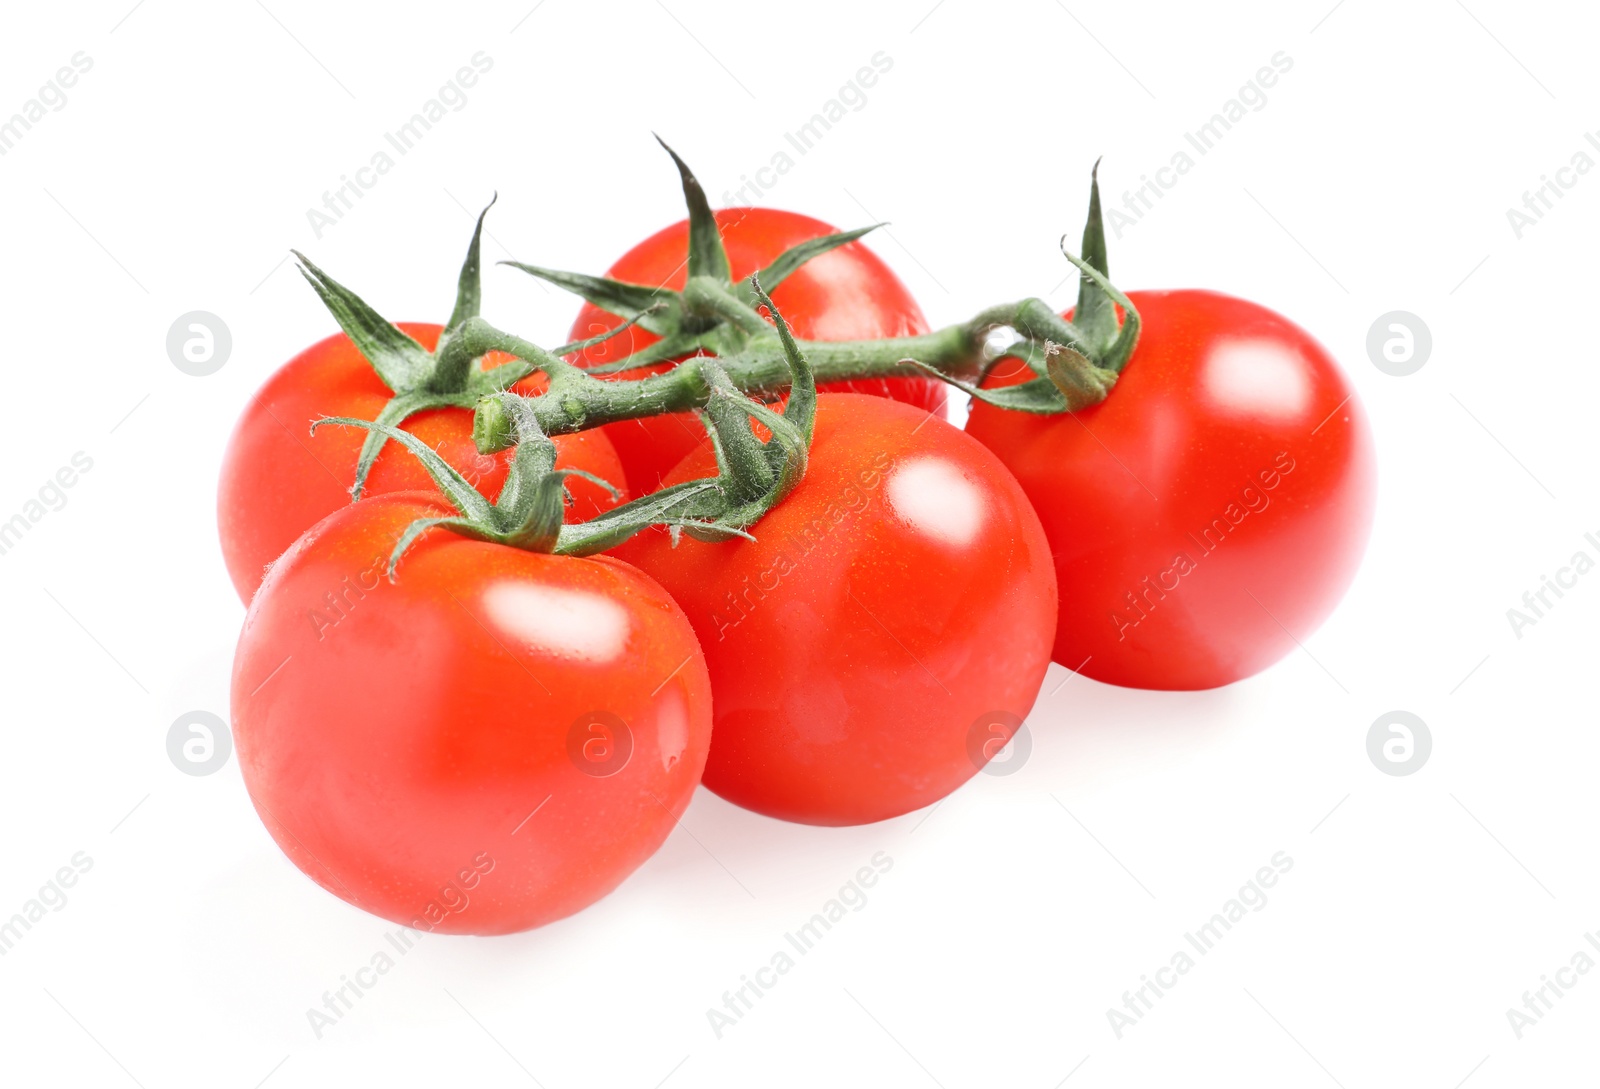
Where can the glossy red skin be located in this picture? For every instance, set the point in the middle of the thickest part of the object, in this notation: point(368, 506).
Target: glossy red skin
point(848, 294)
point(278, 479)
point(1192, 433)
point(846, 689)
point(389, 742)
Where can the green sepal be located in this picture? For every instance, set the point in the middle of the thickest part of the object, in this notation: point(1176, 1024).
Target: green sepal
point(590, 342)
point(737, 501)
point(401, 362)
point(478, 516)
point(790, 448)
point(801, 410)
point(593, 478)
point(662, 351)
point(688, 506)
point(469, 288)
point(708, 532)
point(707, 257)
point(787, 452)
point(788, 262)
point(743, 457)
point(399, 409)
point(1095, 314)
point(1038, 396)
point(545, 500)
point(1116, 355)
point(462, 495)
point(416, 529)
point(499, 378)
point(652, 307)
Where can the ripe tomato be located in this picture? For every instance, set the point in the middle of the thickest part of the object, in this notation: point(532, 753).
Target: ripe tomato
point(886, 631)
point(278, 479)
point(490, 743)
point(846, 294)
point(1212, 510)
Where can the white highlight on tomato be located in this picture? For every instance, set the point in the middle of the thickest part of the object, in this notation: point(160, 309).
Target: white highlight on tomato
point(672, 727)
point(935, 499)
point(561, 623)
point(1253, 378)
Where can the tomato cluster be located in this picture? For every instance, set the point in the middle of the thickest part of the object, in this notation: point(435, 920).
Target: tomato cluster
point(494, 733)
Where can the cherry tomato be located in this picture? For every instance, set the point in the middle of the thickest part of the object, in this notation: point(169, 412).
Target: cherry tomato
point(1212, 510)
point(885, 633)
point(278, 479)
point(846, 294)
point(492, 742)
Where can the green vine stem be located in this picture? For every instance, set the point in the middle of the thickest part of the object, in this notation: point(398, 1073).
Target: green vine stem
point(732, 358)
point(577, 399)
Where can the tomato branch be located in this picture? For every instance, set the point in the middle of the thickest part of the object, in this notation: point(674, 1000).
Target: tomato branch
point(720, 342)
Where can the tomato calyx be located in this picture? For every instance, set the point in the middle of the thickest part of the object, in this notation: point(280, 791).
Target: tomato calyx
point(420, 379)
point(530, 511)
point(712, 314)
point(1075, 362)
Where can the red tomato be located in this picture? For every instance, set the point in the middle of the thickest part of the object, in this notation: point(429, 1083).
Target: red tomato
point(278, 479)
point(490, 743)
point(884, 634)
point(846, 294)
point(1212, 510)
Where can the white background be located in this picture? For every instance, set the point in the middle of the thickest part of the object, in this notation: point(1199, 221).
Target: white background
point(1377, 177)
